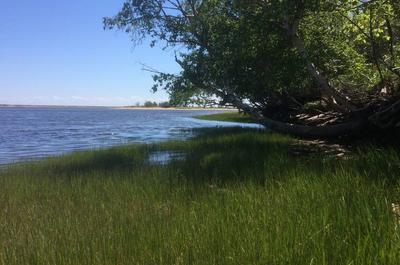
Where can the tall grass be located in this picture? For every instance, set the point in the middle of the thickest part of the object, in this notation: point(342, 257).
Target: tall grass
point(239, 197)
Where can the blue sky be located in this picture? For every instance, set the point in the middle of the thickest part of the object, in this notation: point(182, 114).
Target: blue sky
point(56, 52)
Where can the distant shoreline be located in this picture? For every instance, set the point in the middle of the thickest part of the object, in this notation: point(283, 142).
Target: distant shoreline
point(115, 107)
point(49, 106)
point(172, 108)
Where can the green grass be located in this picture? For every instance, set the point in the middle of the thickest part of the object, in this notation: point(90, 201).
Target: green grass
point(240, 197)
point(227, 116)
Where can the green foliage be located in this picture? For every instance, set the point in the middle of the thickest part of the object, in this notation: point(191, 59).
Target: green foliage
point(227, 116)
point(239, 197)
point(150, 104)
point(242, 48)
point(165, 104)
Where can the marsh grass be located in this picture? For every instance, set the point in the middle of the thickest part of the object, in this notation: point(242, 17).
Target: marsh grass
point(239, 197)
point(227, 116)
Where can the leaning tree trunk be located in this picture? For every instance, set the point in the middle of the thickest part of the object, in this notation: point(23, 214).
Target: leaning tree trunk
point(335, 99)
point(383, 118)
point(346, 128)
point(388, 117)
point(350, 127)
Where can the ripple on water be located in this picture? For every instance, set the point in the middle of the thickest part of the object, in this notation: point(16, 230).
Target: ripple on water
point(29, 133)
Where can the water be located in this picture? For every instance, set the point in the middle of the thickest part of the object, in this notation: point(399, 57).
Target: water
point(165, 157)
point(31, 133)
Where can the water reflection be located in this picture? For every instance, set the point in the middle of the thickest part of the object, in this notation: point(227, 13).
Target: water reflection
point(165, 157)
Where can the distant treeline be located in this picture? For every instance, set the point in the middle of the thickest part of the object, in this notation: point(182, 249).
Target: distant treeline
point(172, 104)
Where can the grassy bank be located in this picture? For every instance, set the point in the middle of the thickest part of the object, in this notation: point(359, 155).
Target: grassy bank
point(227, 116)
point(240, 196)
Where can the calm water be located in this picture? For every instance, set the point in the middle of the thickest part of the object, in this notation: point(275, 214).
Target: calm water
point(31, 133)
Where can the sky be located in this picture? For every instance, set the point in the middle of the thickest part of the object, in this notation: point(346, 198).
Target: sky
point(57, 53)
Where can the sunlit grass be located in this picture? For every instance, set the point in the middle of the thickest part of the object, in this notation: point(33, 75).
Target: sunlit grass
point(227, 116)
point(240, 197)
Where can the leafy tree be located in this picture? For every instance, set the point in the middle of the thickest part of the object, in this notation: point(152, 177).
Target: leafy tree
point(306, 67)
point(150, 104)
point(165, 104)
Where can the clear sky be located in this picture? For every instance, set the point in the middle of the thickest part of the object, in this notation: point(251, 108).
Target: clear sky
point(56, 52)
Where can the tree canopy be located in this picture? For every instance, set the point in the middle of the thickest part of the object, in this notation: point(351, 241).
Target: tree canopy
point(307, 67)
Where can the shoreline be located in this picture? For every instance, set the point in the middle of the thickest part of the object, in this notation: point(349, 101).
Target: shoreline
point(174, 108)
point(226, 182)
point(115, 107)
point(51, 105)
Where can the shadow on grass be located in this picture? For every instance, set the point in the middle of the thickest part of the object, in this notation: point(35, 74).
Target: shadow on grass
point(239, 155)
point(215, 155)
point(113, 160)
point(222, 155)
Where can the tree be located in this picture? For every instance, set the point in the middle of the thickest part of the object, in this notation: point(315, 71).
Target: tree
point(165, 104)
point(150, 104)
point(306, 67)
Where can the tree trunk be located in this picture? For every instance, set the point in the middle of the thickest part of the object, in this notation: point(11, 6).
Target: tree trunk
point(347, 128)
point(331, 95)
point(350, 127)
point(386, 118)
